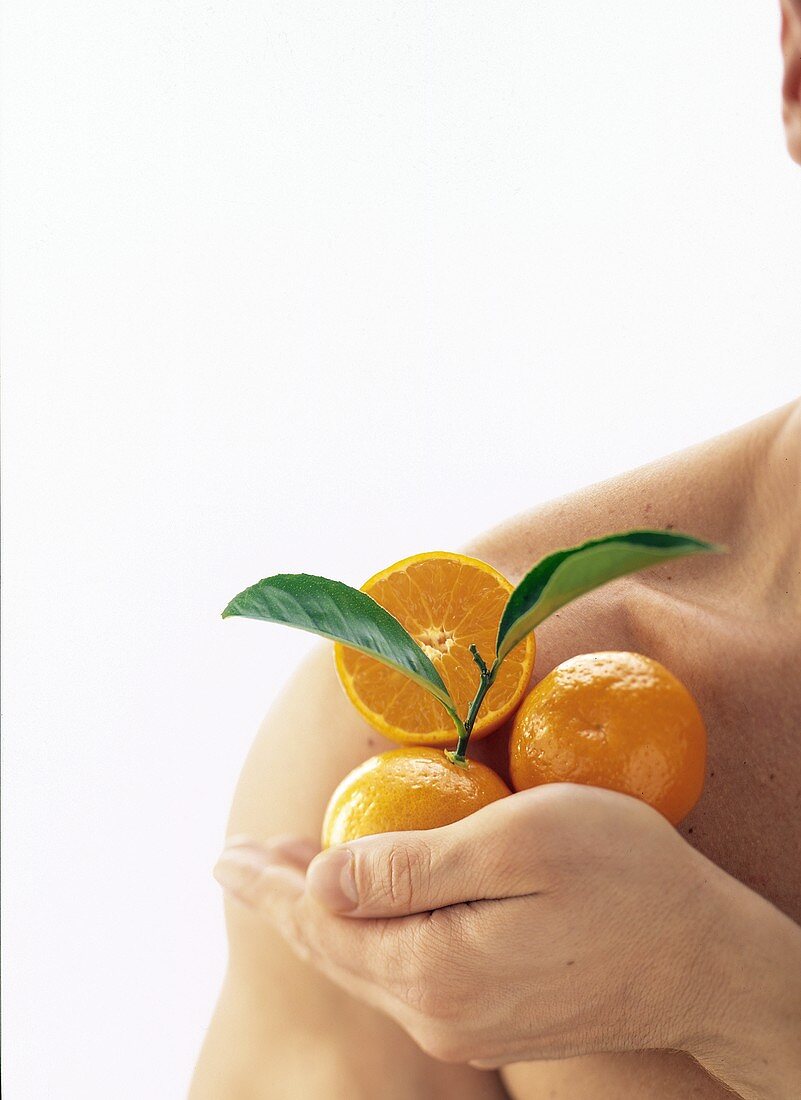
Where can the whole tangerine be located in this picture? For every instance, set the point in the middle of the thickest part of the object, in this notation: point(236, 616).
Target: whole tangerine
point(616, 720)
point(408, 788)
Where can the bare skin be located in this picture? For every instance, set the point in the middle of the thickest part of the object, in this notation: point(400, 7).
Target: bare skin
point(728, 627)
point(791, 85)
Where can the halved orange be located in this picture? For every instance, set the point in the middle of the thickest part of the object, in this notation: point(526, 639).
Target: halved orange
point(446, 602)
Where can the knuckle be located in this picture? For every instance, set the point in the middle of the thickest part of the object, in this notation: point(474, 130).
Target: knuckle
point(437, 979)
point(424, 997)
point(445, 1045)
point(449, 933)
point(400, 875)
point(424, 992)
point(548, 829)
point(449, 941)
point(406, 874)
point(546, 807)
point(440, 944)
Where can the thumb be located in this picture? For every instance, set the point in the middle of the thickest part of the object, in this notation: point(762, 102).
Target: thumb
point(490, 854)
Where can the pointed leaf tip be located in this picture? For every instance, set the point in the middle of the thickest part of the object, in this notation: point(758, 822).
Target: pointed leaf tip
point(565, 575)
point(343, 614)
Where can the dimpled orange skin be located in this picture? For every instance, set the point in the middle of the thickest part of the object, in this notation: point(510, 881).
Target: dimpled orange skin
point(408, 788)
point(614, 720)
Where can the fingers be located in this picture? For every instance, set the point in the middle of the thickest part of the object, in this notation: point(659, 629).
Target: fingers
point(267, 876)
point(508, 849)
point(264, 878)
point(490, 854)
point(295, 850)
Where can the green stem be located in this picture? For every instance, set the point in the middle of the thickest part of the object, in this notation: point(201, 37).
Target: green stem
point(487, 679)
point(482, 668)
point(460, 730)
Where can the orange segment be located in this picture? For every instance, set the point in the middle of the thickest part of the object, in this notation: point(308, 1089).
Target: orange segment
point(446, 602)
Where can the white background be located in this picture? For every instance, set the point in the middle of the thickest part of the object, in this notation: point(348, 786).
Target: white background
point(298, 286)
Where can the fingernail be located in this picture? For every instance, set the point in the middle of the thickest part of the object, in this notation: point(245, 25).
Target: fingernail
point(332, 881)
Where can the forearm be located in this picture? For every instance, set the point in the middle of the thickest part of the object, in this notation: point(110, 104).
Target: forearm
point(753, 1039)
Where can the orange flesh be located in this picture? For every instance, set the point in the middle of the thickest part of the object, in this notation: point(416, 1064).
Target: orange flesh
point(446, 602)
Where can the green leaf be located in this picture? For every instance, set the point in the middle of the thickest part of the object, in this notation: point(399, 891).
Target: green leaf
point(566, 574)
point(343, 614)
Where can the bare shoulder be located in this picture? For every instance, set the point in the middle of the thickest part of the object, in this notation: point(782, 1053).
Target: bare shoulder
point(724, 625)
point(309, 739)
point(730, 629)
point(725, 487)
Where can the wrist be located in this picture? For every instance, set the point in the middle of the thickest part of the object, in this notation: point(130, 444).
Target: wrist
point(751, 1037)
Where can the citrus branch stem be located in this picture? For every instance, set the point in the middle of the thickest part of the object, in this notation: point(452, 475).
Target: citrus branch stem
point(460, 730)
point(487, 679)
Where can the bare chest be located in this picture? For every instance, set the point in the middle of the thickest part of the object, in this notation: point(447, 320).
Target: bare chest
point(746, 677)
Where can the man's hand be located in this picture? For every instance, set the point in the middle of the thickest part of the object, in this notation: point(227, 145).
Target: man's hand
point(580, 876)
point(562, 920)
point(559, 921)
